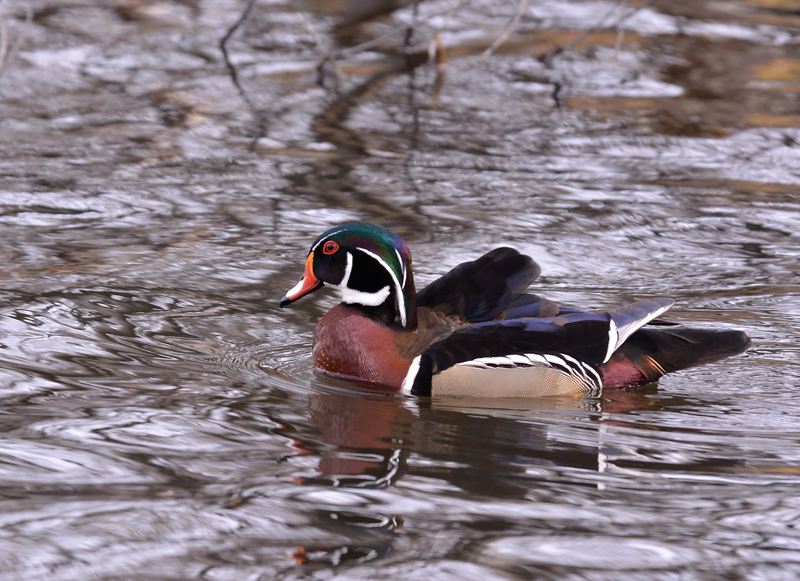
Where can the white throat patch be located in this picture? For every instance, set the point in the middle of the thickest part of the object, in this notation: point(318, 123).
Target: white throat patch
point(358, 297)
point(373, 299)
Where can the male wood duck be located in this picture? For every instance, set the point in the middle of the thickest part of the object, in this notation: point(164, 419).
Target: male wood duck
point(475, 332)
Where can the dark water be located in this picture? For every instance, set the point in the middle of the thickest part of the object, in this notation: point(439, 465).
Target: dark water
point(160, 415)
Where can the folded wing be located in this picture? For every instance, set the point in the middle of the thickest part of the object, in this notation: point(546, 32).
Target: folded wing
point(528, 357)
point(482, 289)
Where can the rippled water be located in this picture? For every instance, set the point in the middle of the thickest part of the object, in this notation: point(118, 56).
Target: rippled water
point(161, 418)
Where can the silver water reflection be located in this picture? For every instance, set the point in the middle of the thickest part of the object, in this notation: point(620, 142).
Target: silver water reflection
point(160, 414)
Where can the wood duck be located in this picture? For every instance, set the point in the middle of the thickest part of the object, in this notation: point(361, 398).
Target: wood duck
point(475, 332)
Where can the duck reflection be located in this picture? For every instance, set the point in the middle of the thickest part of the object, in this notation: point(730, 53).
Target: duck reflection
point(372, 529)
point(369, 438)
point(486, 447)
point(483, 446)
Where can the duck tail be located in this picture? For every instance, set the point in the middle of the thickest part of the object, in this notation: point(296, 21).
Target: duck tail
point(650, 353)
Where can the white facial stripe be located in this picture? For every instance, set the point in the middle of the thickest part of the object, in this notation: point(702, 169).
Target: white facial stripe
point(401, 305)
point(402, 264)
point(313, 248)
point(357, 297)
point(347, 271)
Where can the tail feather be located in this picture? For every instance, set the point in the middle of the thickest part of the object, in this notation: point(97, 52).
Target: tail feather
point(653, 352)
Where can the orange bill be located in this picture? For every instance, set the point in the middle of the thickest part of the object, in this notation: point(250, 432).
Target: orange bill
point(307, 284)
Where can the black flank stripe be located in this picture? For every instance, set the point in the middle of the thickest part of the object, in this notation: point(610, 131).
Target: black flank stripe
point(562, 365)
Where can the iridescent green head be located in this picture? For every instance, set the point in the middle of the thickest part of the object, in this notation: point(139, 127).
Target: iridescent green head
point(370, 265)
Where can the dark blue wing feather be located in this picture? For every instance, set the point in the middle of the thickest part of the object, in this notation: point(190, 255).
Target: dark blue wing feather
point(531, 306)
point(481, 290)
point(583, 335)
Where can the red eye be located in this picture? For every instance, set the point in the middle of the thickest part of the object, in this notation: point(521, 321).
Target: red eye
point(330, 247)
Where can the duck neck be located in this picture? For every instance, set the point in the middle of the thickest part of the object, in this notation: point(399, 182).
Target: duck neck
point(409, 301)
point(388, 313)
point(384, 314)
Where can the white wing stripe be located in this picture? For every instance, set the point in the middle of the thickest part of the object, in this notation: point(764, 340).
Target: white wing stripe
point(613, 338)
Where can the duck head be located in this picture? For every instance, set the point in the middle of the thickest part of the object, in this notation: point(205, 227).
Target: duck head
point(369, 265)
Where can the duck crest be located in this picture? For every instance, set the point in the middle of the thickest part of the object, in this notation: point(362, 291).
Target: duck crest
point(476, 331)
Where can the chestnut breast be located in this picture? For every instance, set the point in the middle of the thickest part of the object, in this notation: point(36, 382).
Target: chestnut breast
point(352, 346)
point(349, 345)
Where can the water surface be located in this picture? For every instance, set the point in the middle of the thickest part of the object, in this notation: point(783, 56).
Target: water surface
point(161, 417)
